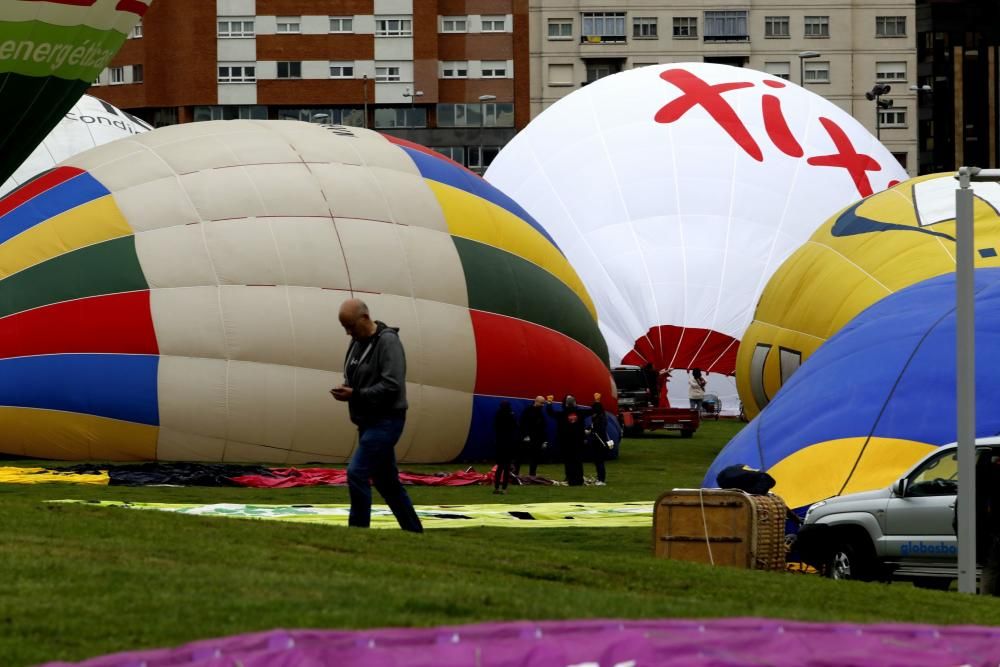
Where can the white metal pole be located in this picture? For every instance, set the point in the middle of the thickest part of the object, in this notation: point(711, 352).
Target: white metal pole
point(965, 341)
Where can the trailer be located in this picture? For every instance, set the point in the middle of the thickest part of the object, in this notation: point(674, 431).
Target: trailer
point(638, 410)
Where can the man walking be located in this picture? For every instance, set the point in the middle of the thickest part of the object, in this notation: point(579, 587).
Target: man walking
point(375, 390)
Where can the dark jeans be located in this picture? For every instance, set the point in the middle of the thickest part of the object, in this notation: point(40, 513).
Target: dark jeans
point(503, 474)
point(375, 460)
point(601, 471)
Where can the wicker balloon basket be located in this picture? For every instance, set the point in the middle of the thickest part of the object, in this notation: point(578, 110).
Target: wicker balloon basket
point(721, 527)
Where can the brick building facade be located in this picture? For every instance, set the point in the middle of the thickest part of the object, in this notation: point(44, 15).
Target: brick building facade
point(451, 74)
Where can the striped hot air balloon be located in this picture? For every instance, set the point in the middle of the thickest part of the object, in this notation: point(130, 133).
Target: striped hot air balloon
point(174, 295)
point(51, 51)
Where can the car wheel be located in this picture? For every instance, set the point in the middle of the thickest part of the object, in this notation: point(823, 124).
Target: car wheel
point(850, 560)
point(687, 433)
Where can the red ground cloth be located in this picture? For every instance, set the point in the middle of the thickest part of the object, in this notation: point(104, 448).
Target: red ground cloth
point(284, 478)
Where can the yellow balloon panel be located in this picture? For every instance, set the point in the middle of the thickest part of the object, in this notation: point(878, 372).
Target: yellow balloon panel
point(869, 250)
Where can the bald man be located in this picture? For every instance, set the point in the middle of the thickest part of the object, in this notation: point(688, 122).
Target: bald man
point(375, 391)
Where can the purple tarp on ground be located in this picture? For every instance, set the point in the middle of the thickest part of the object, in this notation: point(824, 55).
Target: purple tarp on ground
point(706, 643)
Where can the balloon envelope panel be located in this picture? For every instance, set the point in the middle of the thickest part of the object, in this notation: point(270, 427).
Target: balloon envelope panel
point(174, 295)
point(874, 398)
point(862, 254)
point(677, 190)
point(51, 51)
point(91, 122)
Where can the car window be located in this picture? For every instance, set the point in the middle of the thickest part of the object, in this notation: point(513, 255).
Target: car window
point(937, 477)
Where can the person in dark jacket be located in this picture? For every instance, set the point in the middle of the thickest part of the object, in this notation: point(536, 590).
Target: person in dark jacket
point(533, 435)
point(570, 434)
point(375, 391)
point(598, 438)
point(505, 428)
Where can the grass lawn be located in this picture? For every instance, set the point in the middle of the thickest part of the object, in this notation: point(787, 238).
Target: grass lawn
point(79, 581)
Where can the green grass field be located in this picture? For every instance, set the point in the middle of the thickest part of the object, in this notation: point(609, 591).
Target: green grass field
point(80, 581)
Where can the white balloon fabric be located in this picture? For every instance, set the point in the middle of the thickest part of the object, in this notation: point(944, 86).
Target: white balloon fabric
point(90, 123)
point(677, 190)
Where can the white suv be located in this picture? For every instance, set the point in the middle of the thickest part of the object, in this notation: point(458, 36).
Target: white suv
point(904, 531)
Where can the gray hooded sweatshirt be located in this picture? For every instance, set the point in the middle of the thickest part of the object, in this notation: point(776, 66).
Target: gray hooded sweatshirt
point(376, 369)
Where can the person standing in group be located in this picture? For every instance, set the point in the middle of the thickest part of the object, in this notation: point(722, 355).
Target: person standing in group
point(598, 438)
point(505, 428)
point(651, 377)
point(696, 389)
point(375, 391)
point(570, 434)
point(533, 435)
point(663, 382)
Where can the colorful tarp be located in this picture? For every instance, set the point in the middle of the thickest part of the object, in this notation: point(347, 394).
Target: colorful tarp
point(196, 474)
point(532, 515)
point(174, 296)
point(747, 642)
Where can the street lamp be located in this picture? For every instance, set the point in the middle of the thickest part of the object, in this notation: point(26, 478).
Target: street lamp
point(802, 64)
point(965, 342)
point(413, 96)
point(876, 93)
point(921, 89)
point(364, 92)
point(483, 99)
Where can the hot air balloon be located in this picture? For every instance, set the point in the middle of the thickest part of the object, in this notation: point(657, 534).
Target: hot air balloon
point(677, 190)
point(876, 397)
point(174, 295)
point(862, 254)
point(51, 51)
point(91, 122)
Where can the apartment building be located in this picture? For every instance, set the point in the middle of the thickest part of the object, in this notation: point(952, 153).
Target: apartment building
point(839, 50)
point(451, 74)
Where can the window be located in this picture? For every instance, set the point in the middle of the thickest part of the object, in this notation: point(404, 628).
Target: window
point(237, 73)
point(494, 69)
point(497, 114)
point(560, 75)
point(401, 117)
point(776, 26)
point(353, 116)
point(938, 476)
point(231, 28)
point(817, 26)
point(137, 73)
point(230, 112)
point(136, 32)
point(494, 24)
point(560, 28)
point(454, 69)
point(456, 153)
point(685, 27)
point(288, 24)
point(901, 158)
point(782, 70)
point(890, 26)
point(387, 73)
point(481, 157)
point(454, 24)
point(341, 24)
point(644, 28)
point(116, 75)
point(603, 26)
point(892, 117)
point(817, 71)
point(598, 69)
point(394, 27)
point(889, 72)
point(728, 26)
point(341, 70)
point(290, 70)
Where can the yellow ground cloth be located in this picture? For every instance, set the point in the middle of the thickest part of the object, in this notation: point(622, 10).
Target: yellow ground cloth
point(14, 475)
point(536, 515)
